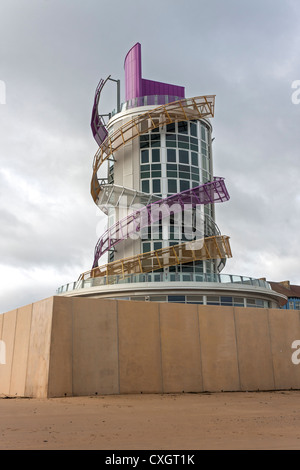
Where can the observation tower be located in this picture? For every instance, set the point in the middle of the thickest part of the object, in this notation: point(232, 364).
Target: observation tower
point(162, 242)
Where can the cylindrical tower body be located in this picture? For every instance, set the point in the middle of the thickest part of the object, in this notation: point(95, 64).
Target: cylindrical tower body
point(168, 160)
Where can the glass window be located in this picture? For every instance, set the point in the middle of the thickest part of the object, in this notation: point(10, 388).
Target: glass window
point(203, 133)
point(204, 163)
point(156, 186)
point(145, 186)
point(145, 174)
point(171, 166)
point(145, 156)
point(183, 156)
point(185, 168)
point(183, 145)
point(145, 167)
point(184, 138)
point(297, 304)
point(157, 245)
point(158, 298)
point(155, 166)
point(170, 143)
point(146, 247)
point(183, 127)
point(226, 300)
point(172, 174)
point(172, 186)
point(194, 159)
point(194, 299)
point(213, 300)
point(176, 298)
point(238, 301)
point(171, 127)
point(155, 140)
point(156, 174)
point(184, 175)
point(155, 155)
point(144, 141)
point(184, 185)
point(193, 129)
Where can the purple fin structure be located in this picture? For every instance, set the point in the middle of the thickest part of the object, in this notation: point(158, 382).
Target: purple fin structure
point(136, 86)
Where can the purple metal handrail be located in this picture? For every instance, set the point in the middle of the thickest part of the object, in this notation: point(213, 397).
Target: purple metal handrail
point(207, 193)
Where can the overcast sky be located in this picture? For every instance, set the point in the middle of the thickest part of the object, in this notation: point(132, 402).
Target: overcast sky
point(52, 55)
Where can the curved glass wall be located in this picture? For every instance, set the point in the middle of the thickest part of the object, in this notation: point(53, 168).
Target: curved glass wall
point(175, 158)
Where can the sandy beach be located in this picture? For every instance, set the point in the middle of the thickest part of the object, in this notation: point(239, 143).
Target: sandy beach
point(249, 420)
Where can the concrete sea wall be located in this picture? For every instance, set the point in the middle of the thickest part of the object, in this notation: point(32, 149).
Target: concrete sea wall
point(81, 346)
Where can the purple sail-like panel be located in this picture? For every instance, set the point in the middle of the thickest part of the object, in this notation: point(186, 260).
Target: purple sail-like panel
point(136, 86)
point(97, 124)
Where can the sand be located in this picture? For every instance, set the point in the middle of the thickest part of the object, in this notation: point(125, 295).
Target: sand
point(249, 420)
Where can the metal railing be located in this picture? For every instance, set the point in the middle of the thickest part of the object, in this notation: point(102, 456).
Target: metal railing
point(160, 277)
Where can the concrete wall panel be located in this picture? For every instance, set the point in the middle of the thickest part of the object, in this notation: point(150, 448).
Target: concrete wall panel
point(180, 348)
point(8, 336)
point(60, 367)
point(95, 347)
point(284, 330)
point(139, 347)
point(218, 348)
point(254, 349)
point(39, 349)
point(20, 357)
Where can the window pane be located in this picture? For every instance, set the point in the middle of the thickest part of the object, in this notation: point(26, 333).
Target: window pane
point(193, 128)
point(184, 175)
point(145, 156)
point(171, 127)
point(172, 174)
point(155, 166)
point(183, 156)
point(183, 145)
point(156, 186)
point(185, 168)
point(171, 155)
point(157, 245)
point(155, 155)
point(145, 186)
point(144, 145)
point(176, 298)
point(172, 186)
point(195, 159)
point(172, 167)
point(183, 127)
point(155, 138)
point(170, 143)
point(171, 137)
point(145, 167)
point(145, 174)
point(146, 247)
point(184, 185)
